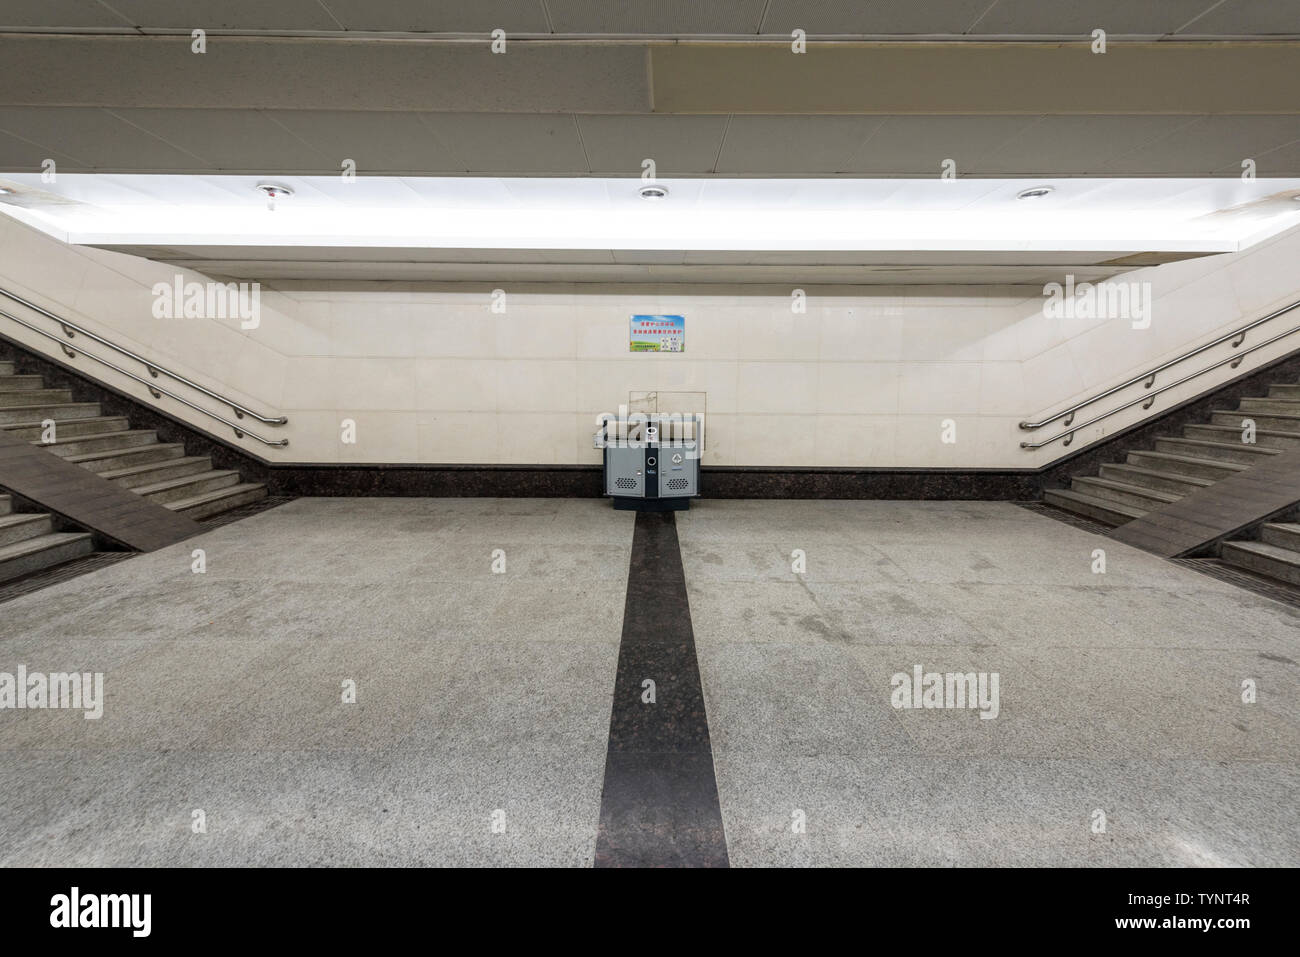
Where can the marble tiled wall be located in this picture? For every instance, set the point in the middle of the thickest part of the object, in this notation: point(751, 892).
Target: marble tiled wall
point(864, 378)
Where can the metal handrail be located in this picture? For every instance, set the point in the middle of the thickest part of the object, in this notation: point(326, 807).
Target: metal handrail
point(1150, 397)
point(71, 328)
point(1149, 377)
point(156, 391)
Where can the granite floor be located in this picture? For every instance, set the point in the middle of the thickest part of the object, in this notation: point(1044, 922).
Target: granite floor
point(477, 737)
point(483, 699)
point(1119, 692)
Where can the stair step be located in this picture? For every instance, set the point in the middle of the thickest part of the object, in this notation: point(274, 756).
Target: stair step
point(1155, 478)
point(1270, 404)
point(1271, 560)
point(1123, 492)
point(1281, 534)
point(33, 554)
point(1188, 465)
point(103, 441)
point(1283, 422)
point(1284, 390)
point(188, 486)
point(13, 383)
point(67, 428)
point(1223, 451)
point(1113, 513)
point(20, 526)
point(22, 397)
point(150, 473)
point(102, 459)
point(6, 504)
point(221, 500)
point(1269, 438)
point(55, 411)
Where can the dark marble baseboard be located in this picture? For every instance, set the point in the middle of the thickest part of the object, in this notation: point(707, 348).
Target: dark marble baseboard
point(979, 484)
point(436, 481)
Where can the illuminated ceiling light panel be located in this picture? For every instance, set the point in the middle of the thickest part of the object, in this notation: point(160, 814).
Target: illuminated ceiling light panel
point(1176, 215)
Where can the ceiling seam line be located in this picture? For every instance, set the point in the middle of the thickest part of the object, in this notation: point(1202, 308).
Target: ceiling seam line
point(582, 145)
point(330, 13)
point(121, 16)
point(161, 139)
point(421, 117)
point(1208, 10)
point(722, 142)
point(987, 11)
point(49, 149)
point(271, 118)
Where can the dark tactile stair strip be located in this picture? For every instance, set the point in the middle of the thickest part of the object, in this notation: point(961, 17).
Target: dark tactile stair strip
point(244, 511)
point(46, 577)
point(1244, 578)
point(659, 806)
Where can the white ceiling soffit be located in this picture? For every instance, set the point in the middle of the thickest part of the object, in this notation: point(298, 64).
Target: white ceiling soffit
point(669, 18)
point(1080, 219)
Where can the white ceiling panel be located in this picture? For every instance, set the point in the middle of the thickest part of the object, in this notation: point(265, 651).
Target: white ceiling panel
point(230, 139)
point(671, 17)
point(19, 155)
point(1070, 17)
point(376, 142)
point(512, 142)
point(1211, 143)
point(1250, 17)
point(1074, 145)
point(794, 144)
point(225, 14)
point(1268, 164)
point(872, 17)
point(679, 145)
point(440, 16)
point(57, 13)
point(435, 144)
point(678, 18)
point(96, 138)
point(918, 145)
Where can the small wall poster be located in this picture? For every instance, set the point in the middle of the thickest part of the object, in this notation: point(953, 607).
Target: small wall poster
point(658, 334)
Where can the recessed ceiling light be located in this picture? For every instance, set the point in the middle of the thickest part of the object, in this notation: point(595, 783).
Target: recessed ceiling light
point(654, 192)
point(1035, 192)
point(274, 190)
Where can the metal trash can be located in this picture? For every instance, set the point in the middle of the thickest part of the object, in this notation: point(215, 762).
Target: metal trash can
point(652, 461)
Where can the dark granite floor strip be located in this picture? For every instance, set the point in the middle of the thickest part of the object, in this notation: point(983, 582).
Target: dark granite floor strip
point(659, 806)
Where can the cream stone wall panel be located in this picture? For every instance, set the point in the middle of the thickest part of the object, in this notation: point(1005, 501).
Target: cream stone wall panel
point(858, 388)
point(774, 440)
point(855, 441)
point(777, 388)
point(941, 388)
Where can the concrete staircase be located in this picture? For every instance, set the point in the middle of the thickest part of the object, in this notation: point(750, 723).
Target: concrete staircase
point(28, 542)
point(1204, 453)
point(1276, 554)
point(108, 446)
